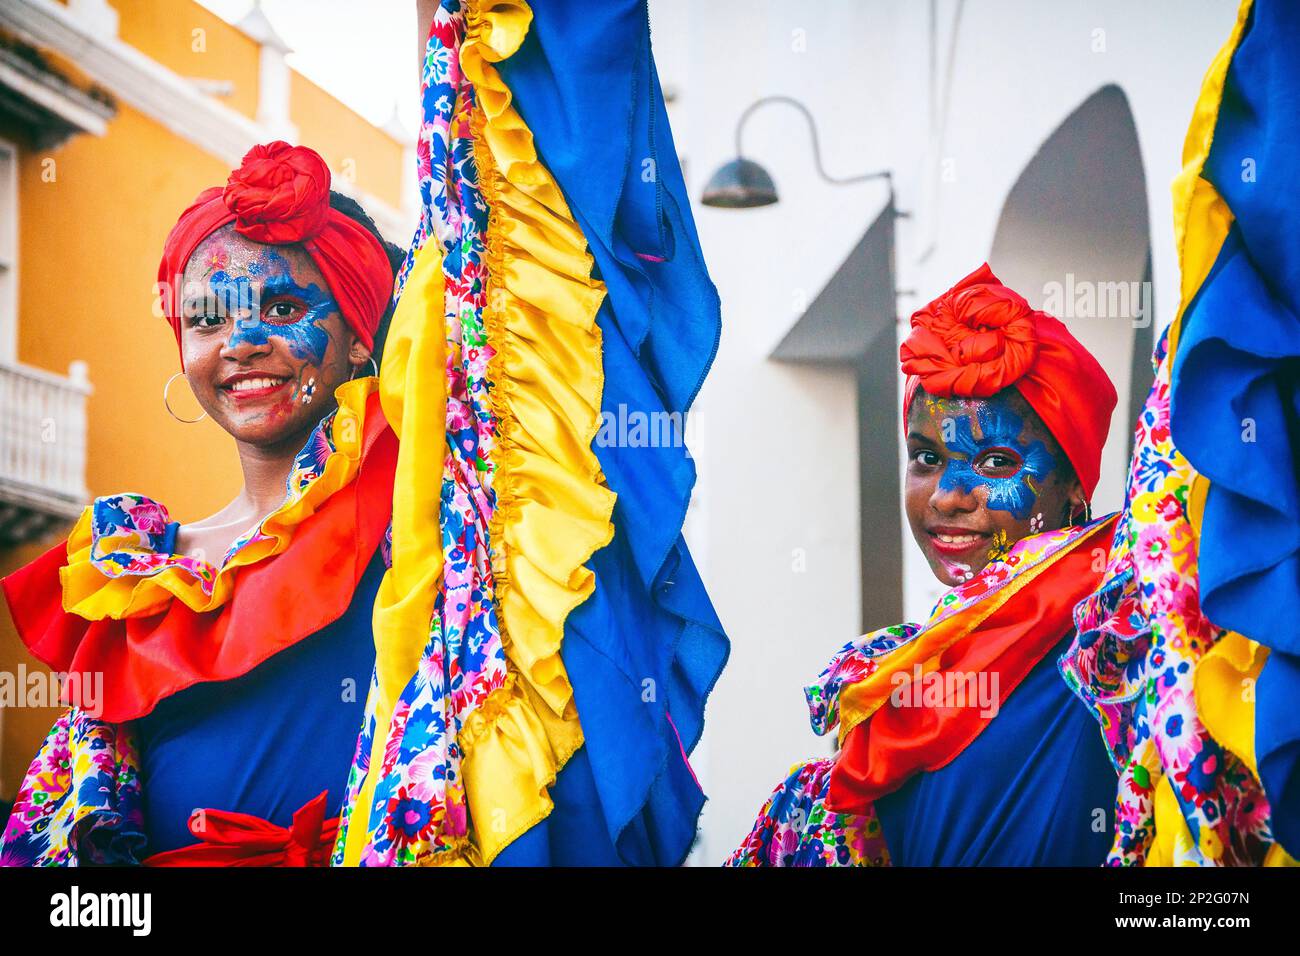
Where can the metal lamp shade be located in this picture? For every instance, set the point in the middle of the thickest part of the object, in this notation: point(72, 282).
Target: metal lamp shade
point(740, 184)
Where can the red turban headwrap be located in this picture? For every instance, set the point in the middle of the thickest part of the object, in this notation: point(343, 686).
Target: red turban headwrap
point(980, 337)
point(280, 195)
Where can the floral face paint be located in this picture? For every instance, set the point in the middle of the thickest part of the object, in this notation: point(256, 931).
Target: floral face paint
point(265, 344)
point(981, 475)
point(1000, 432)
point(306, 338)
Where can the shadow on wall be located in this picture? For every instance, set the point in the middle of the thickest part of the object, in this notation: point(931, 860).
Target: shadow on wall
point(1074, 239)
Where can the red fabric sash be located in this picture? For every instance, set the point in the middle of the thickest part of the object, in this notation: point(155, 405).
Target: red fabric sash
point(241, 839)
point(276, 602)
point(885, 750)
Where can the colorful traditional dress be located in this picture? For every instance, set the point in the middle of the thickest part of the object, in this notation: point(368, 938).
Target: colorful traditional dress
point(1036, 784)
point(234, 687)
point(541, 645)
point(960, 745)
point(1184, 649)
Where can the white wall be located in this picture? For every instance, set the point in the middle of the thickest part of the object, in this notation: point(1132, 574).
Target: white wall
point(776, 446)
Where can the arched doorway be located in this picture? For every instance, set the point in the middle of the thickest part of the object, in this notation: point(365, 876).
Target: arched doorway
point(1074, 238)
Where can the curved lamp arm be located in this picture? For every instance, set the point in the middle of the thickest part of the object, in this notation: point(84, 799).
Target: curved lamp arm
point(816, 145)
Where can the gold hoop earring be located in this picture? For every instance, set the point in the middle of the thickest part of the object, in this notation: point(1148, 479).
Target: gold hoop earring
point(167, 404)
point(373, 364)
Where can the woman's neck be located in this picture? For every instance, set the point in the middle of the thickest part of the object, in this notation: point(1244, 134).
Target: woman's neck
point(266, 469)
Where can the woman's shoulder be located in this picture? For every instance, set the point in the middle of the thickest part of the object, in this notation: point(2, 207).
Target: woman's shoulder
point(796, 826)
point(853, 663)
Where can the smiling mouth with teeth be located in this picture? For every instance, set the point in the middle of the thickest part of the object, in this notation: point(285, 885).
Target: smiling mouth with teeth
point(260, 384)
point(956, 542)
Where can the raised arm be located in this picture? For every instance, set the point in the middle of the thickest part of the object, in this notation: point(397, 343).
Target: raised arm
point(424, 11)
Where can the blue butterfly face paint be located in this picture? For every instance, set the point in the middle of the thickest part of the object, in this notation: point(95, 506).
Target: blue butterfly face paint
point(257, 326)
point(1000, 429)
point(982, 474)
point(264, 342)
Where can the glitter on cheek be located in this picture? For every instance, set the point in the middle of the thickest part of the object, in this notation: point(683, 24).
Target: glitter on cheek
point(957, 570)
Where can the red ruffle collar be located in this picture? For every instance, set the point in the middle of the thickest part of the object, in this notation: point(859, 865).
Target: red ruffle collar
point(278, 601)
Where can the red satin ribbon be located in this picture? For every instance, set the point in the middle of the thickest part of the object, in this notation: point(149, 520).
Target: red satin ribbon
point(276, 603)
point(885, 750)
point(241, 839)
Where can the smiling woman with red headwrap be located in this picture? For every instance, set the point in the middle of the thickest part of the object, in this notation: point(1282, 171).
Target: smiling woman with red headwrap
point(960, 744)
point(220, 640)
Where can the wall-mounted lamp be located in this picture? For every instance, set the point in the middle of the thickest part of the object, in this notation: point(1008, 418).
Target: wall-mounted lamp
point(744, 184)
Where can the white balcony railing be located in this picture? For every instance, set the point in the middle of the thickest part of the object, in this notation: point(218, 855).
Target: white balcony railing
point(42, 448)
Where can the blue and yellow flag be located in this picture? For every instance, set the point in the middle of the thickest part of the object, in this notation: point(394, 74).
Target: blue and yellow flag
point(1236, 412)
point(1236, 365)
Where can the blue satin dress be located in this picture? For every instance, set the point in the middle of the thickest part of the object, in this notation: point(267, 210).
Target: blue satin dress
point(1035, 788)
point(265, 743)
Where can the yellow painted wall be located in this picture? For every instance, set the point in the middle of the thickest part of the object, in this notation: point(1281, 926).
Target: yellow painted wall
point(165, 30)
point(89, 248)
point(346, 140)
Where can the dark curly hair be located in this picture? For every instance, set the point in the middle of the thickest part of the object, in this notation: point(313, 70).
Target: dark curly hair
point(353, 210)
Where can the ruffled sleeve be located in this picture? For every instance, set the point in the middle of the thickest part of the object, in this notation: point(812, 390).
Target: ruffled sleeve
point(644, 650)
point(795, 827)
point(501, 302)
point(1233, 351)
point(79, 803)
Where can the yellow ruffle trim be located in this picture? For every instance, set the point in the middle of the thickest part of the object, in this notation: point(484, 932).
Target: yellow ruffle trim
point(90, 594)
point(413, 393)
point(1224, 688)
point(1201, 217)
point(1173, 845)
point(553, 510)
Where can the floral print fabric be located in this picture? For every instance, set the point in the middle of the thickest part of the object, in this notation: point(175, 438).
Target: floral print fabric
point(794, 828)
point(1140, 637)
point(419, 812)
point(79, 803)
